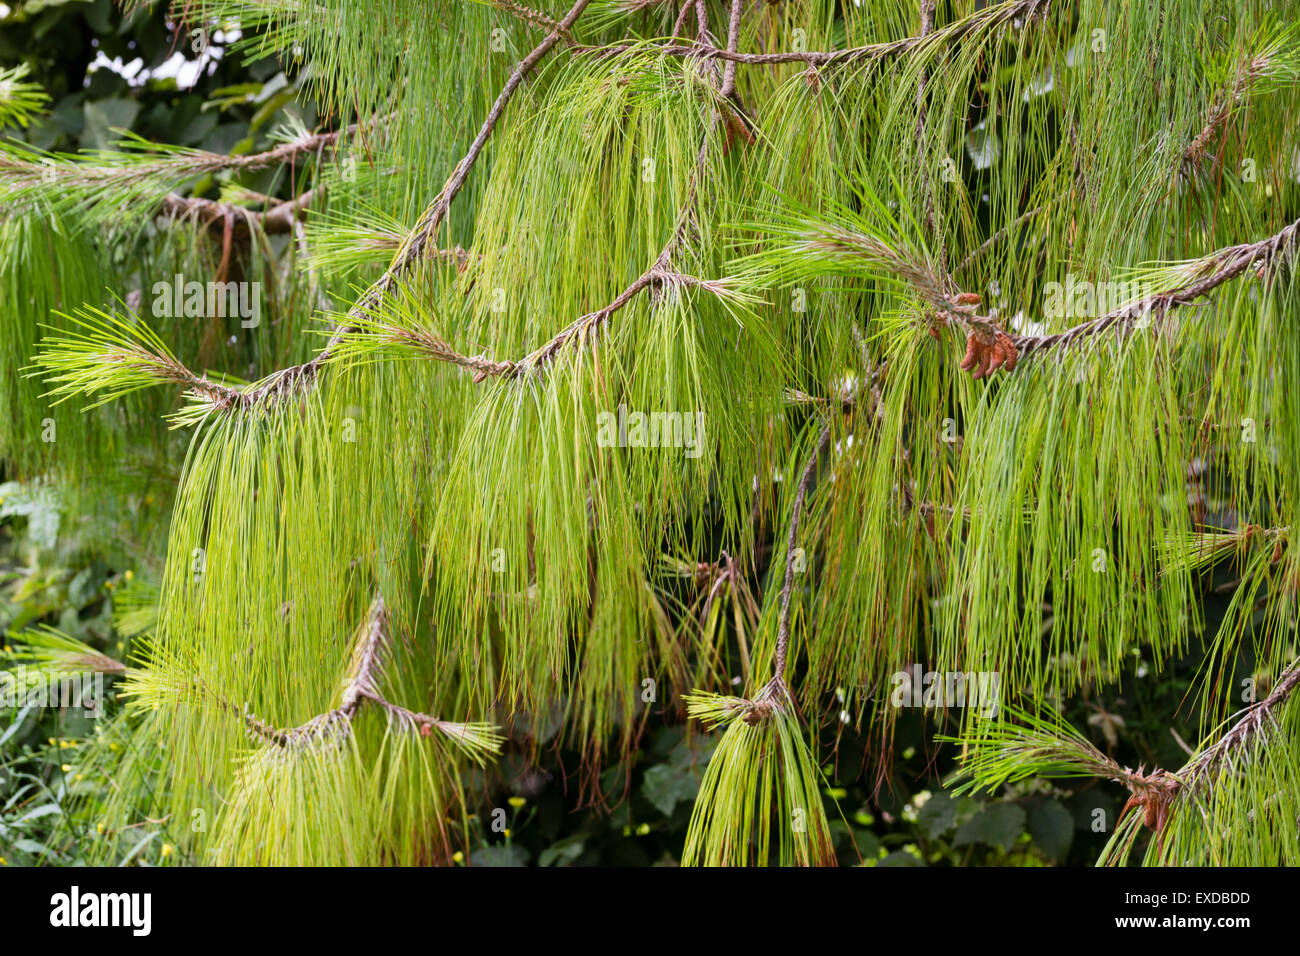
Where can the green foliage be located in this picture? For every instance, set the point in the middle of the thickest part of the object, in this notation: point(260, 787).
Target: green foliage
point(18, 99)
point(761, 781)
point(426, 539)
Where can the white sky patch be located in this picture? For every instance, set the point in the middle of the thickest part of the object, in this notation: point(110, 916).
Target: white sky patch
point(1040, 85)
point(183, 69)
point(1022, 325)
point(982, 146)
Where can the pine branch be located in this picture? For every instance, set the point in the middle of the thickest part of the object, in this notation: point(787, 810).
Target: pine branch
point(257, 727)
point(361, 688)
point(733, 47)
point(927, 27)
point(688, 7)
point(536, 19)
point(980, 250)
point(1259, 720)
point(792, 541)
point(1208, 547)
point(19, 100)
point(1052, 750)
point(113, 357)
point(1221, 265)
point(761, 781)
point(986, 19)
point(54, 652)
point(279, 219)
point(432, 219)
point(23, 171)
point(1275, 60)
point(702, 35)
point(988, 347)
point(1159, 793)
point(660, 273)
point(294, 380)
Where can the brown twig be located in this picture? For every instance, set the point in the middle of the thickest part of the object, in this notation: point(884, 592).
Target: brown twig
point(927, 27)
point(1155, 793)
point(687, 8)
point(277, 220)
point(989, 17)
point(362, 687)
point(535, 18)
point(186, 165)
point(1251, 70)
point(1227, 263)
point(733, 47)
point(792, 538)
point(1005, 231)
point(1258, 719)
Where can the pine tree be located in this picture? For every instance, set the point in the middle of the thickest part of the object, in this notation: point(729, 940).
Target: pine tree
point(603, 351)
